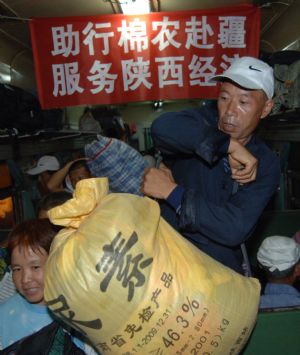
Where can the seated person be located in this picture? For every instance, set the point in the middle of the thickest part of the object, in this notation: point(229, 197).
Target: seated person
point(71, 173)
point(25, 313)
point(78, 171)
point(44, 169)
point(51, 200)
point(279, 258)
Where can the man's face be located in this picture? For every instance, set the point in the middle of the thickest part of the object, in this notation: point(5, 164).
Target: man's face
point(28, 273)
point(240, 110)
point(44, 177)
point(78, 174)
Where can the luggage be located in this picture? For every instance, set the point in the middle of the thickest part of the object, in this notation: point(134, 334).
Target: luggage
point(123, 165)
point(21, 110)
point(121, 275)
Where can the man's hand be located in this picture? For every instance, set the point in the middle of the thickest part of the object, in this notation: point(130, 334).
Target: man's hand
point(158, 183)
point(243, 164)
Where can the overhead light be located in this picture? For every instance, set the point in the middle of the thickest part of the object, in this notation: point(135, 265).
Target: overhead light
point(134, 7)
point(157, 104)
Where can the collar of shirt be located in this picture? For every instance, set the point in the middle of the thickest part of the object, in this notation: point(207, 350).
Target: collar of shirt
point(273, 289)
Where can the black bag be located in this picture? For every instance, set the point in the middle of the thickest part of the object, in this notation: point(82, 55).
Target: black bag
point(50, 340)
point(8, 104)
point(21, 110)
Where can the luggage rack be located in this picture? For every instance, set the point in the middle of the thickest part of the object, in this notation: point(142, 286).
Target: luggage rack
point(14, 145)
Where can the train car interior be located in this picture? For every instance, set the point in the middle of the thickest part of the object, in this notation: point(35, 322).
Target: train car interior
point(31, 126)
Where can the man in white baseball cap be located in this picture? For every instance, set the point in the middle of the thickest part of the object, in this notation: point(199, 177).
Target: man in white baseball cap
point(44, 168)
point(220, 175)
point(279, 258)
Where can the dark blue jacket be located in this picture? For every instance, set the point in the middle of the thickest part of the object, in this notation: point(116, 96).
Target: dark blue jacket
point(212, 215)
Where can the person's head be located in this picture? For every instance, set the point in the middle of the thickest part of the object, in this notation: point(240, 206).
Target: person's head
point(245, 97)
point(44, 168)
point(78, 171)
point(29, 245)
point(279, 258)
point(51, 200)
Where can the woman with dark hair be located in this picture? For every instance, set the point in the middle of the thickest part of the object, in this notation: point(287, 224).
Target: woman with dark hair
point(25, 313)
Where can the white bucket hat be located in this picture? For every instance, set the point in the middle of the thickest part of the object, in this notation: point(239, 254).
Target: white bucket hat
point(279, 253)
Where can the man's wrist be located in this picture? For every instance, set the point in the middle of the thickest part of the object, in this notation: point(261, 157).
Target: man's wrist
point(169, 191)
point(233, 143)
point(175, 197)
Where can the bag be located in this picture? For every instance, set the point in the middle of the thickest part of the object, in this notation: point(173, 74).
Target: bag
point(123, 165)
point(88, 123)
point(121, 275)
point(50, 340)
point(53, 119)
point(21, 110)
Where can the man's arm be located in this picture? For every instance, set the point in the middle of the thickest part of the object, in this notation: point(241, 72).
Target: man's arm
point(243, 164)
point(159, 183)
point(230, 224)
point(190, 132)
point(195, 132)
point(56, 180)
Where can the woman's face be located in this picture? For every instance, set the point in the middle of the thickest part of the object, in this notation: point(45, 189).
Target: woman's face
point(28, 268)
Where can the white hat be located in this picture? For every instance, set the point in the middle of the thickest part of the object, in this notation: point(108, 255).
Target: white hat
point(45, 163)
point(279, 253)
point(250, 73)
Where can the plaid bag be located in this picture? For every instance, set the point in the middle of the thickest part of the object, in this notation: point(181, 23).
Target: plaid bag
point(120, 163)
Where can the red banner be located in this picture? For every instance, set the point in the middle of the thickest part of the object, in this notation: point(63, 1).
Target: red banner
point(110, 59)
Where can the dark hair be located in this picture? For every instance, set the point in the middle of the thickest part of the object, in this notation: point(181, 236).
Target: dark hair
point(33, 233)
point(54, 199)
point(79, 164)
point(277, 274)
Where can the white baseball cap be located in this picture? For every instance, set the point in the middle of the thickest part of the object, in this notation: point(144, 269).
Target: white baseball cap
point(278, 252)
point(45, 163)
point(250, 73)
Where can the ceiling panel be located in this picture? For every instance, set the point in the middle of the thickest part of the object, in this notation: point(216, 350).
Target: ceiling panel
point(15, 13)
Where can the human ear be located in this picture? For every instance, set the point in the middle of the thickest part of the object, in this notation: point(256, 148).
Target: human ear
point(267, 108)
point(297, 271)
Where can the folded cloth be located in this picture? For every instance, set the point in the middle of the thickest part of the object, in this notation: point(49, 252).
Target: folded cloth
point(123, 165)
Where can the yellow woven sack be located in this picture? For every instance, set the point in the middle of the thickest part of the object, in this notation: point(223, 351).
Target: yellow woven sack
point(125, 278)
